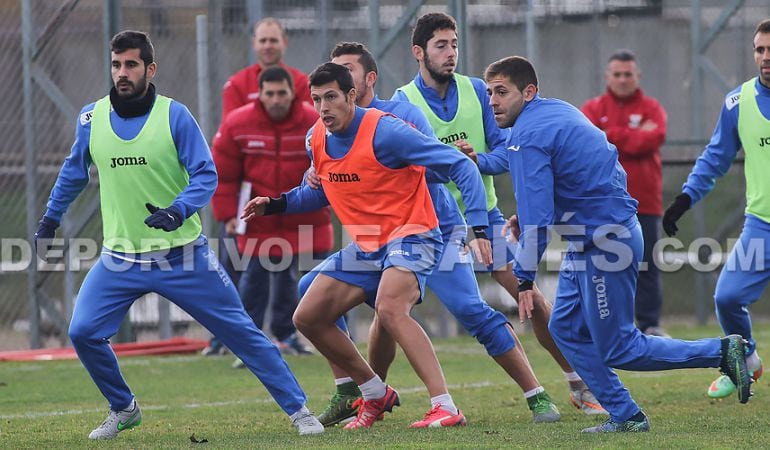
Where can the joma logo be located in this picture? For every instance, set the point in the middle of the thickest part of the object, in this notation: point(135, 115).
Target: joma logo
point(343, 177)
point(453, 137)
point(764, 141)
point(128, 161)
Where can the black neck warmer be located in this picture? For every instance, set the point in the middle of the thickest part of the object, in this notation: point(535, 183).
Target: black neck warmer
point(132, 107)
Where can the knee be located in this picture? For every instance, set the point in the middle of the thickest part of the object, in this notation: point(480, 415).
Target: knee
point(726, 297)
point(303, 320)
point(619, 353)
point(79, 332)
point(497, 338)
point(389, 313)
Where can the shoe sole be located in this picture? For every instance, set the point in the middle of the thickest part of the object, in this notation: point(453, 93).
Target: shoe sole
point(744, 380)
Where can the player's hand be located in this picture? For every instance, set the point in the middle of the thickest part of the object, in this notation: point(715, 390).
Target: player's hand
point(526, 299)
point(511, 228)
point(482, 250)
point(480, 245)
point(231, 226)
point(312, 179)
point(649, 125)
point(467, 149)
point(45, 233)
point(254, 208)
point(681, 204)
point(166, 219)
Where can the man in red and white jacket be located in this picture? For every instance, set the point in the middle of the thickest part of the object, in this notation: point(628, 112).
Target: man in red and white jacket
point(636, 124)
point(263, 143)
point(269, 43)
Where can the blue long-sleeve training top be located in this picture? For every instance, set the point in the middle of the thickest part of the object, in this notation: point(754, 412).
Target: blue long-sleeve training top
point(447, 211)
point(446, 108)
point(720, 152)
point(396, 145)
point(564, 173)
point(194, 154)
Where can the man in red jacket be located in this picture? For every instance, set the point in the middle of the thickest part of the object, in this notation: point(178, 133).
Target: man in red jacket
point(636, 124)
point(263, 143)
point(269, 43)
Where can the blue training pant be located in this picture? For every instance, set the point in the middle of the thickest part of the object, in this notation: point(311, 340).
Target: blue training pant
point(191, 277)
point(593, 324)
point(743, 278)
point(454, 283)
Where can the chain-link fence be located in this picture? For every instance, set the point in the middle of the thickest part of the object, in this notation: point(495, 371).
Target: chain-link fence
point(57, 61)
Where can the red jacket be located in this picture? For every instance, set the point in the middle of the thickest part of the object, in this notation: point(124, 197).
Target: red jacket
point(243, 87)
point(638, 150)
point(249, 146)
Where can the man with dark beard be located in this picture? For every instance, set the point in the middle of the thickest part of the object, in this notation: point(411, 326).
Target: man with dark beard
point(458, 110)
point(152, 157)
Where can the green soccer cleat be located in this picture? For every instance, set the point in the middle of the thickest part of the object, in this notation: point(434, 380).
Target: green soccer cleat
point(118, 421)
point(629, 426)
point(733, 365)
point(342, 405)
point(543, 409)
point(722, 387)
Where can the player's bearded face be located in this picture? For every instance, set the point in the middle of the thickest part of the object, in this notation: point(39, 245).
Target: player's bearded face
point(130, 75)
point(440, 55)
point(762, 56)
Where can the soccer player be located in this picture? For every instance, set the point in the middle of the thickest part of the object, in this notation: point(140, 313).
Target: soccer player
point(453, 280)
point(458, 110)
point(566, 173)
point(376, 186)
point(743, 123)
point(155, 172)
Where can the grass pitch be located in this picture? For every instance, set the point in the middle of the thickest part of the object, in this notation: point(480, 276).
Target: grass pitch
point(193, 398)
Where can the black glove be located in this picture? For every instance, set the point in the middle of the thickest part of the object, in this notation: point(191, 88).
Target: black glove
point(46, 231)
point(166, 219)
point(681, 204)
point(526, 285)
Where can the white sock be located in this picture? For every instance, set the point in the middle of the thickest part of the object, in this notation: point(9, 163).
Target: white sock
point(534, 392)
point(572, 376)
point(373, 389)
point(339, 381)
point(752, 361)
point(301, 412)
point(446, 403)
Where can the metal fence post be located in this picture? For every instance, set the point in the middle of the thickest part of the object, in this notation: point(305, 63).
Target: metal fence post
point(30, 158)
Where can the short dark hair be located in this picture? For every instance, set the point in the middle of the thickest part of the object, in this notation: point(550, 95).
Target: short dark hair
point(130, 39)
point(428, 24)
point(517, 68)
point(365, 57)
point(622, 54)
point(328, 72)
point(763, 27)
point(275, 74)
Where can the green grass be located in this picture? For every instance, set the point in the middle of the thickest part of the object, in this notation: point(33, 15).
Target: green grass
point(55, 405)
